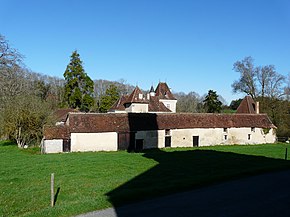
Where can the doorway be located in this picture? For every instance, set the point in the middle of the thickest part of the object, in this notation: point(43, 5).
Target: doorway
point(167, 141)
point(195, 140)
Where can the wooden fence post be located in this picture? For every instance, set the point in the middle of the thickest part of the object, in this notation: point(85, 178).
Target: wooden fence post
point(52, 190)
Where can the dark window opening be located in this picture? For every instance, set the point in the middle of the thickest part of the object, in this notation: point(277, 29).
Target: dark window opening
point(167, 132)
point(168, 141)
point(195, 141)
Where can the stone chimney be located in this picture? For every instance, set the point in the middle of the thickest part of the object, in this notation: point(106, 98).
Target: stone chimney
point(257, 107)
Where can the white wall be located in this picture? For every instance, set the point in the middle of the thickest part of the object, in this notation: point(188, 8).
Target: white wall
point(137, 107)
point(171, 103)
point(207, 137)
point(107, 141)
point(216, 136)
point(52, 146)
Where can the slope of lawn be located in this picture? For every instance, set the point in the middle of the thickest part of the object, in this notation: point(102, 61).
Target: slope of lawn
point(90, 181)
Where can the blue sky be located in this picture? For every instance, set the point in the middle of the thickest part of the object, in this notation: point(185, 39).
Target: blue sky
point(192, 45)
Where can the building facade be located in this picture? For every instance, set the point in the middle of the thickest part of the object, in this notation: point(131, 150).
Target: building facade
point(136, 131)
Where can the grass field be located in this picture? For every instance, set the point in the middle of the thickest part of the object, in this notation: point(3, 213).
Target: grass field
point(90, 181)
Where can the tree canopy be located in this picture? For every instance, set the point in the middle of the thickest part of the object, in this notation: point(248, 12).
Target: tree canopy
point(110, 97)
point(260, 81)
point(79, 88)
point(212, 103)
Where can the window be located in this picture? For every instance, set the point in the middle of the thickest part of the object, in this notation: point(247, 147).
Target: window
point(225, 130)
point(226, 137)
point(168, 106)
point(249, 136)
point(253, 129)
point(140, 95)
point(167, 132)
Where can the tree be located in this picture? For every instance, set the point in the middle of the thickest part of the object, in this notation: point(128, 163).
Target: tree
point(187, 102)
point(266, 85)
point(246, 83)
point(110, 97)
point(79, 87)
point(23, 110)
point(23, 118)
point(287, 88)
point(212, 103)
point(235, 104)
point(261, 81)
point(8, 55)
point(270, 82)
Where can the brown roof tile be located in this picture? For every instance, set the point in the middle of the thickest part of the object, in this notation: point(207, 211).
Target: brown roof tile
point(163, 91)
point(247, 105)
point(134, 96)
point(56, 132)
point(61, 114)
point(89, 123)
point(119, 104)
point(156, 106)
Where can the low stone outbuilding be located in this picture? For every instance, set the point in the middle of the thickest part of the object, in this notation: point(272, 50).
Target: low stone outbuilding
point(136, 131)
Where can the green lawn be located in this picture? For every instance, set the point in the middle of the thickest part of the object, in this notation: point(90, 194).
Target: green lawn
point(90, 181)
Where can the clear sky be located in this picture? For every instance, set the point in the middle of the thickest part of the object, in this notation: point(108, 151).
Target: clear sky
point(190, 44)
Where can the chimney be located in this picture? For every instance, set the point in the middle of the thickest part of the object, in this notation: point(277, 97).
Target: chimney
point(257, 107)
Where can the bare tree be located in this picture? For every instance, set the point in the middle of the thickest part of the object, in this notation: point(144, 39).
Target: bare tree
point(8, 55)
point(247, 82)
point(287, 88)
point(270, 82)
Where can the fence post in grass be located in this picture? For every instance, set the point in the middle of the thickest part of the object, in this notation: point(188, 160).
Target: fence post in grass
point(286, 154)
point(52, 190)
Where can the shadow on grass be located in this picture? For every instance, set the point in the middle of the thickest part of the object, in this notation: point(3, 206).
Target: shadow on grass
point(56, 196)
point(184, 170)
point(7, 143)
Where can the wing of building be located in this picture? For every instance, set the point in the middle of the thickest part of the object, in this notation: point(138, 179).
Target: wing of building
point(159, 101)
point(143, 130)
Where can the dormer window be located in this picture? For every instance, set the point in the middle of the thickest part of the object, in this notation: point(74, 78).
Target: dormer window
point(140, 96)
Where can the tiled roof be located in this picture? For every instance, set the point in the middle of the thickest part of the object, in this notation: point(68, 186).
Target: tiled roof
point(56, 132)
point(134, 97)
point(156, 106)
point(61, 114)
point(163, 92)
point(247, 106)
point(119, 104)
point(94, 123)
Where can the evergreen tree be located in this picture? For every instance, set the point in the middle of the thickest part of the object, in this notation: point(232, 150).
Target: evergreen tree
point(78, 87)
point(110, 97)
point(212, 103)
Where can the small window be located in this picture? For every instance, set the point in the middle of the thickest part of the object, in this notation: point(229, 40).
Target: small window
point(167, 132)
point(140, 95)
point(253, 129)
point(226, 137)
point(249, 136)
point(225, 130)
point(168, 106)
